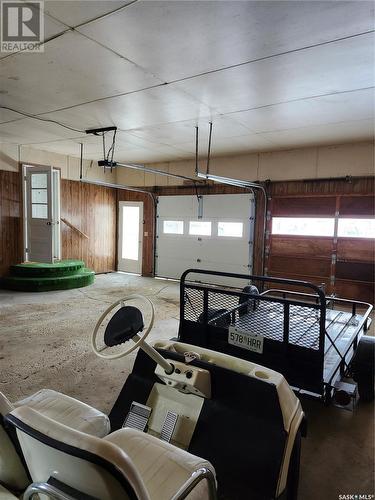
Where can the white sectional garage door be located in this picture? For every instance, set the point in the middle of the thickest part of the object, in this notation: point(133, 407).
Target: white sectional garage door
point(214, 233)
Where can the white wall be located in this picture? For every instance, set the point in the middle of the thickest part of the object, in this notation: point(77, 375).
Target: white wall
point(12, 155)
point(356, 159)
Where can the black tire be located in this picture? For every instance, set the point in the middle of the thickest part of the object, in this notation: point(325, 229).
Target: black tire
point(366, 389)
point(248, 303)
point(363, 368)
point(294, 467)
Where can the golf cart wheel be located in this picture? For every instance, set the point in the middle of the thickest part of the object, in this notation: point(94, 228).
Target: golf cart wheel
point(248, 303)
point(293, 472)
point(363, 368)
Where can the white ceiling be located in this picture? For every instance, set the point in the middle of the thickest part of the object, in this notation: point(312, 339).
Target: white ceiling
point(269, 74)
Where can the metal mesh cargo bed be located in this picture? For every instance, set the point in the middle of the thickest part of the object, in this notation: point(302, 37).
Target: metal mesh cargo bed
point(290, 326)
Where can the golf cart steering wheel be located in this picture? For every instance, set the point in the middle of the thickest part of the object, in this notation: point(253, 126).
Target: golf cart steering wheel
point(124, 325)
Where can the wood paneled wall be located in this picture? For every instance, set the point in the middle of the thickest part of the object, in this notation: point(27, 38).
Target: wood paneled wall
point(10, 220)
point(92, 209)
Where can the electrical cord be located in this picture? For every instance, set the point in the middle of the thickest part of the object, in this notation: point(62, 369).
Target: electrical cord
point(42, 119)
point(111, 150)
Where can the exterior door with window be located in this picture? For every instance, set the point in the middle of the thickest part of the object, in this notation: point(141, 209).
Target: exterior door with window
point(41, 213)
point(130, 237)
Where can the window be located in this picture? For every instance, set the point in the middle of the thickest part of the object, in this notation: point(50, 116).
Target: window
point(39, 211)
point(233, 229)
point(173, 227)
point(356, 228)
point(39, 196)
point(199, 228)
point(130, 232)
point(304, 226)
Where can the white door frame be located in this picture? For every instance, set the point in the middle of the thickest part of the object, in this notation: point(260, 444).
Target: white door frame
point(56, 213)
point(53, 216)
point(130, 265)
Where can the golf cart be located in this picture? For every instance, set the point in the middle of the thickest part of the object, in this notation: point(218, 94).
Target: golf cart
point(290, 326)
point(189, 422)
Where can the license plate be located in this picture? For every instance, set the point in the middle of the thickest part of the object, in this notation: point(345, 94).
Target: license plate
point(245, 340)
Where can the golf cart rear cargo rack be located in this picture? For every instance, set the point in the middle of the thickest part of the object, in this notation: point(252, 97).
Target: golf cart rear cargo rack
point(291, 327)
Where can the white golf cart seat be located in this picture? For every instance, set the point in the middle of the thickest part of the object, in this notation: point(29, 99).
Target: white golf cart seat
point(57, 406)
point(127, 464)
point(6, 495)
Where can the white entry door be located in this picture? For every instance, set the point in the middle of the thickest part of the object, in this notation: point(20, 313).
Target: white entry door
point(130, 236)
point(41, 213)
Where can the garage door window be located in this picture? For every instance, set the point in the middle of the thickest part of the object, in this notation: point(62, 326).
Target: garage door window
point(231, 229)
point(303, 226)
point(356, 228)
point(199, 228)
point(173, 227)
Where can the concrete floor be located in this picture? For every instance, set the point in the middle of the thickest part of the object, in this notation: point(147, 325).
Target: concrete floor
point(45, 342)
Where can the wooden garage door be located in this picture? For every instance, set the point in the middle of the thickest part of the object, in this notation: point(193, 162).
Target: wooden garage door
point(324, 239)
point(354, 272)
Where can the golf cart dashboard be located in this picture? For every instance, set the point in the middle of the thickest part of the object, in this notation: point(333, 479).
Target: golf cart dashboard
point(186, 378)
point(219, 359)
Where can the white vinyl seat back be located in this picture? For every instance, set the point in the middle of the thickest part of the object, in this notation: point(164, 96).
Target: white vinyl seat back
point(164, 467)
point(57, 406)
point(6, 495)
point(12, 471)
point(127, 464)
point(86, 463)
point(68, 411)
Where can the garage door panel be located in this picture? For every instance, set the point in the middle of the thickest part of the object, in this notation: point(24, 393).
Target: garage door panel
point(304, 207)
point(173, 247)
point(301, 246)
point(307, 267)
point(357, 206)
point(237, 210)
point(229, 252)
point(222, 252)
point(315, 280)
point(221, 280)
point(356, 271)
point(171, 268)
point(355, 250)
point(349, 289)
point(172, 207)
